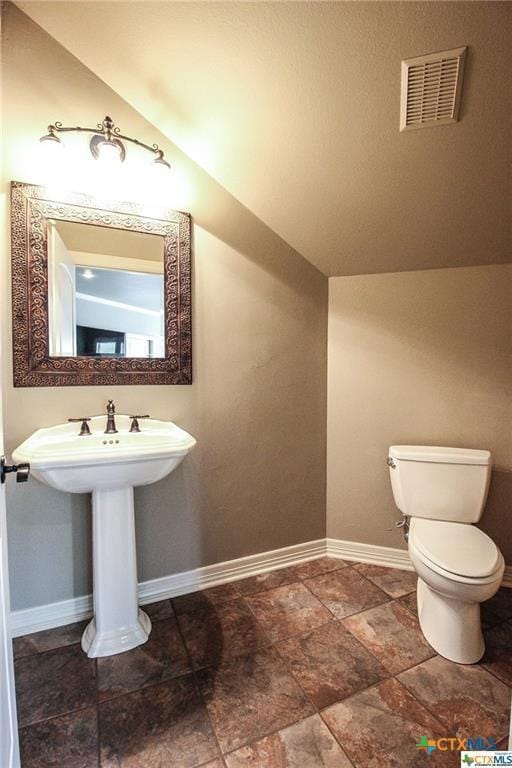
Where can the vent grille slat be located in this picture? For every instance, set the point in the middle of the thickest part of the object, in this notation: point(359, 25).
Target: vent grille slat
point(420, 85)
point(431, 89)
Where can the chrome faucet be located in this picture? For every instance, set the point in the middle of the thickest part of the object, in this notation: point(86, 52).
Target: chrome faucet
point(111, 418)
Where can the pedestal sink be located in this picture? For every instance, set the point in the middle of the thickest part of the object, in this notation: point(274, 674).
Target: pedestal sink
point(109, 467)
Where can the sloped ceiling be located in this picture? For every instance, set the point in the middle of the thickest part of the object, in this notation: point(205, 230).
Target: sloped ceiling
point(294, 108)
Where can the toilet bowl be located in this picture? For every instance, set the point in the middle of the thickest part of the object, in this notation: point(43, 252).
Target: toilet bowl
point(443, 491)
point(458, 567)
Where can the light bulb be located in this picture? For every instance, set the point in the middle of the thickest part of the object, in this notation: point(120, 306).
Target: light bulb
point(109, 154)
point(51, 146)
point(160, 169)
point(88, 274)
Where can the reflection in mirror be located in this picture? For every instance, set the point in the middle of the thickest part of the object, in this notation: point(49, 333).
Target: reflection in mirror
point(105, 292)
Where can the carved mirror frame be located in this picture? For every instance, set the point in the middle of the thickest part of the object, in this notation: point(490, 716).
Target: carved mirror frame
point(31, 208)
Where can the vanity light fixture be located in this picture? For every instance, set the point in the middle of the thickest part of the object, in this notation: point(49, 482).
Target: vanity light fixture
point(105, 145)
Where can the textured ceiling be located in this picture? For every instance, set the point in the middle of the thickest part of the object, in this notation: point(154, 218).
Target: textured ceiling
point(294, 108)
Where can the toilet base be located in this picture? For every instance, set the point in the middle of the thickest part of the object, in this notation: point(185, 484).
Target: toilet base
point(452, 627)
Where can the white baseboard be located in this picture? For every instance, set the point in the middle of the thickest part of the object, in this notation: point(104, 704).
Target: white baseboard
point(389, 557)
point(28, 620)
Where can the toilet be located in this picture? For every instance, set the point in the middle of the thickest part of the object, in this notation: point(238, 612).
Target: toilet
point(442, 491)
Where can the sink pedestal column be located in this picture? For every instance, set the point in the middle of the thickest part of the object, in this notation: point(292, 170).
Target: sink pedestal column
point(118, 624)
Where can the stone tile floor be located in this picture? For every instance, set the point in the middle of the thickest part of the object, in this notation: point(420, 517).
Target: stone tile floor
point(320, 665)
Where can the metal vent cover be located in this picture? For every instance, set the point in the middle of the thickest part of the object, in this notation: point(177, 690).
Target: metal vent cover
point(431, 89)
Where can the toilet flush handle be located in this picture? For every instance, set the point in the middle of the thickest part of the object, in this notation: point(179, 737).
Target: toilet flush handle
point(391, 462)
point(404, 523)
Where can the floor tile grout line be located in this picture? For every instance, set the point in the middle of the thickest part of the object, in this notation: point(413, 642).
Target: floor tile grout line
point(193, 671)
point(413, 666)
point(283, 728)
point(265, 735)
point(319, 600)
point(238, 656)
point(369, 688)
point(387, 602)
point(302, 581)
point(317, 710)
point(389, 598)
point(490, 627)
point(356, 639)
point(437, 718)
point(55, 717)
point(197, 685)
point(419, 701)
point(280, 639)
point(192, 668)
point(48, 651)
point(208, 762)
point(391, 673)
point(37, 652)
point(165, 681)
point(348, 754)
point(251, 653)
point(293, 580)
point(195, 668)
point(483, 665)
point(399, 599)
point(415, 696)
point(346, 564)
point(214, 731)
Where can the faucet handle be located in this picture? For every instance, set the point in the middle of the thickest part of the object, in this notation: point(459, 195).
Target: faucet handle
point(84, 428)
point(135, 421)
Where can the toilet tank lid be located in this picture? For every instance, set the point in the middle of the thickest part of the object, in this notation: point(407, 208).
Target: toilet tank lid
point(439, 454)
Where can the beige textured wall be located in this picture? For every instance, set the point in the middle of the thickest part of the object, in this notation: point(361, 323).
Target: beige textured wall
point(256, 480)
point(416, 357)
point(301, 118)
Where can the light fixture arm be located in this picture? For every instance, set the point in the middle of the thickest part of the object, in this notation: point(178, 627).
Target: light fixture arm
point(110, 132)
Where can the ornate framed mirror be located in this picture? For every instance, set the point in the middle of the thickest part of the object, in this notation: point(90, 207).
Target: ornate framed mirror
point(100, 295)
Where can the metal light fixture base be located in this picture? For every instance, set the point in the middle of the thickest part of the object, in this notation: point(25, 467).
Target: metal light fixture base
point(106, 131)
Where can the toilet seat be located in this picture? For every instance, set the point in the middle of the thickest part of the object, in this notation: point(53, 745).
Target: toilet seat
point(458, 551)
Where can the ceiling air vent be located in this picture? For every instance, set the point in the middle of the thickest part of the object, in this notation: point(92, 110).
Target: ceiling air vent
point(431, 89)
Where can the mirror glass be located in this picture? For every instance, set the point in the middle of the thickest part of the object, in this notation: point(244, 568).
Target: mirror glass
point(105, 291)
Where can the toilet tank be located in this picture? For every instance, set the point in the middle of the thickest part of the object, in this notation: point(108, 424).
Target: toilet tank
point(440, 483)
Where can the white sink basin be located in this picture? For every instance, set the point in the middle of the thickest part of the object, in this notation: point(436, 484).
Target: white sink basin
point(109, 466)
point(60, 457)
